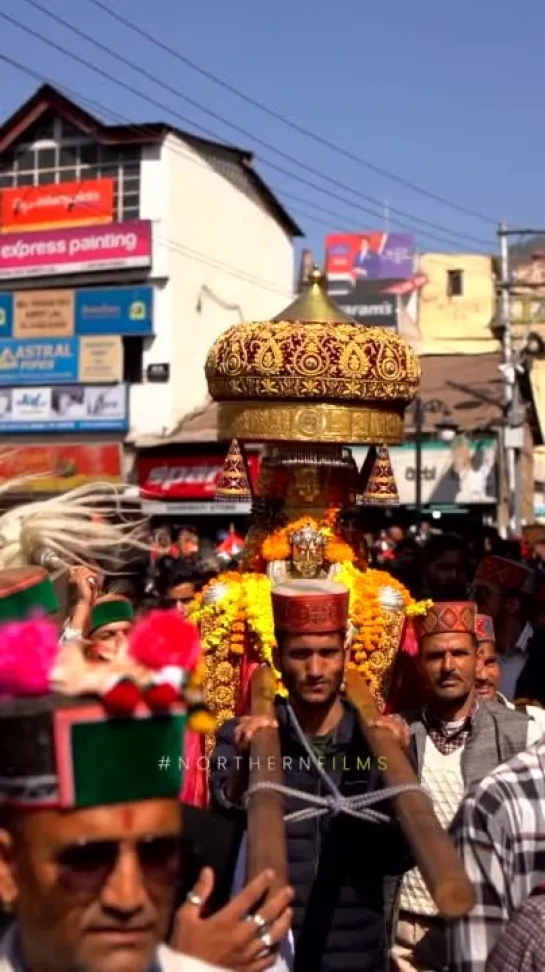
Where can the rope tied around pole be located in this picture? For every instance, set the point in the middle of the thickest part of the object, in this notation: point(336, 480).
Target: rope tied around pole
point(334, 803)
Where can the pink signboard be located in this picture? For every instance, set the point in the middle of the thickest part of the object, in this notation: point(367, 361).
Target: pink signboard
point(78, 250)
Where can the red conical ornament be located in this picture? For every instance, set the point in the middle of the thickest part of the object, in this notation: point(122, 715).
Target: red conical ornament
point(233, 484)
point(381, 489)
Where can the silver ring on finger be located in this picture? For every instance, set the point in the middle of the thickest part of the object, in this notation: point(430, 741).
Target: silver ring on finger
point(267, 941)
point(261, 923)
point(194, 899)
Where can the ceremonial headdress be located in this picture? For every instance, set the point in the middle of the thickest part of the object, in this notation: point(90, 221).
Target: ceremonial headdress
point(484, 628)
point(508, 574)
point(117, 738)
point(447, 617)
point(310, 607)
point(110, 609)
point(57, 751)
point(24, 592)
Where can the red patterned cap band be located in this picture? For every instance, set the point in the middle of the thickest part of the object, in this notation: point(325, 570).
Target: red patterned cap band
point(507, 574)
point(447, 617)
point(484, 628)
point(310, 607)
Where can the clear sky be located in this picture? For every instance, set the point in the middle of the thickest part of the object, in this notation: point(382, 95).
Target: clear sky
point(446, 96)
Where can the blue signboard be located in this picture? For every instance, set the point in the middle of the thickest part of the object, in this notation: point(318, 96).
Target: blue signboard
point(6, 315)
point(59, 361)
point(119, 310)
point(39, 362)
point(64, 408)
point(123, 311)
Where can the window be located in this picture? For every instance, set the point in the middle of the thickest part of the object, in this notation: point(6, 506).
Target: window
point(455, 283)
point(59, 153)
point(133, 360)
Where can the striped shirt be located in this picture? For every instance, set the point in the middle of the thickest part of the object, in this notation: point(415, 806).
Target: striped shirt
point(521, 948)
point(500, 834)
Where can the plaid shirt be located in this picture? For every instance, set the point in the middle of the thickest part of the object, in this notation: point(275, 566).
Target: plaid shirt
point(521, 948)
point(499, 831)
point(447, 737)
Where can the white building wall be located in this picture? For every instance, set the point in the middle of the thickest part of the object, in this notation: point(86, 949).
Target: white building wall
point(218, 258)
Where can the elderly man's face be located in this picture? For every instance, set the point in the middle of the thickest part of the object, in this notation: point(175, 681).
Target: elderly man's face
point(110, 641)
point(92, 889)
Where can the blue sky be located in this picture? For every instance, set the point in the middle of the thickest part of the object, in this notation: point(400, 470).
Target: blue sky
point(446, 96)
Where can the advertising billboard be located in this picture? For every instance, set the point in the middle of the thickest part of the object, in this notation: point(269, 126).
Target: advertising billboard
point(65, 408)
point(463, 473)
point(119, 246)
point(59, 468)
point(373, 307)
point(369, 256)
point(67, 204)
point(33, 314)
point(369, 302)
point(86, 360)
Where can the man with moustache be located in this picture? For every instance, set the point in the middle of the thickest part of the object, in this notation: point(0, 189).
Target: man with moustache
point(338, 865)
point(90, 838)
point(454, 740)
point(489, 675)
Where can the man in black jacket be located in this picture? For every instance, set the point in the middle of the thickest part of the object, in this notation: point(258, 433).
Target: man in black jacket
point(338, 865)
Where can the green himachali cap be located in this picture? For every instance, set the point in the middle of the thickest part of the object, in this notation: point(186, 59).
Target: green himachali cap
point(69, 753)
point(110, 609)
point(25, 592)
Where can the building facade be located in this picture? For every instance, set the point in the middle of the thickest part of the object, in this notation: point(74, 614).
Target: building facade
point(457, 304)
point(124, 252)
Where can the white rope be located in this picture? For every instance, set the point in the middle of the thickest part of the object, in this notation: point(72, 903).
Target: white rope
point(334, 803)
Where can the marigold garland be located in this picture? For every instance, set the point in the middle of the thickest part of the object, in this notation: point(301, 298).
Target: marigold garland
point(246, 605)
point(337, 551)
point(366, 614)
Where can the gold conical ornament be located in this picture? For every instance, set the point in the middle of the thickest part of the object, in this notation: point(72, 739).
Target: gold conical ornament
point(381, 489)
point(367, 469)
point(314, 304)
point(234, 484)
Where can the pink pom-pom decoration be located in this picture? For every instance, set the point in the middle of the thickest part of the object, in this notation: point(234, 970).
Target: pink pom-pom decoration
point(164, 639)
point(28, 651)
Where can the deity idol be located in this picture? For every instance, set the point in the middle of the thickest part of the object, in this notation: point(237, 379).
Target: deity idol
point(306, 386)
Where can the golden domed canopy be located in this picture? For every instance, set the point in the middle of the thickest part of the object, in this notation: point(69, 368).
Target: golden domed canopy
point(312, 374)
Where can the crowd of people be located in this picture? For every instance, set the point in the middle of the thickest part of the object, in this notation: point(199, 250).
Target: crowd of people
point(93, 877)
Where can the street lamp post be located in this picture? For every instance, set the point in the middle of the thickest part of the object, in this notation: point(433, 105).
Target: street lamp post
point(418, 417)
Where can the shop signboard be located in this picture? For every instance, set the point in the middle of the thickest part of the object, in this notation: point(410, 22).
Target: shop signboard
point(86, 360)
point(118, 246)
point(188, 477)
point(63, 313)
point(64, 408)
point(59, 468)
point(115, 310)
point(87, 202)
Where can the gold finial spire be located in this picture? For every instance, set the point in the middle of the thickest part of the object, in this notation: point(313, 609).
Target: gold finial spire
point(314, 304)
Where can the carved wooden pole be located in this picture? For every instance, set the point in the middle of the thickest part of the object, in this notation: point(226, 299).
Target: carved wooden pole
point(433, 850)
point(266, 828)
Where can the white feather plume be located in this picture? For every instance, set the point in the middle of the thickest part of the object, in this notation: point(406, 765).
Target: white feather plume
point(66, 526)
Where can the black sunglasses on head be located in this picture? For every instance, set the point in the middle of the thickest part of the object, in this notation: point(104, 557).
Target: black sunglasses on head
point(85, 866)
